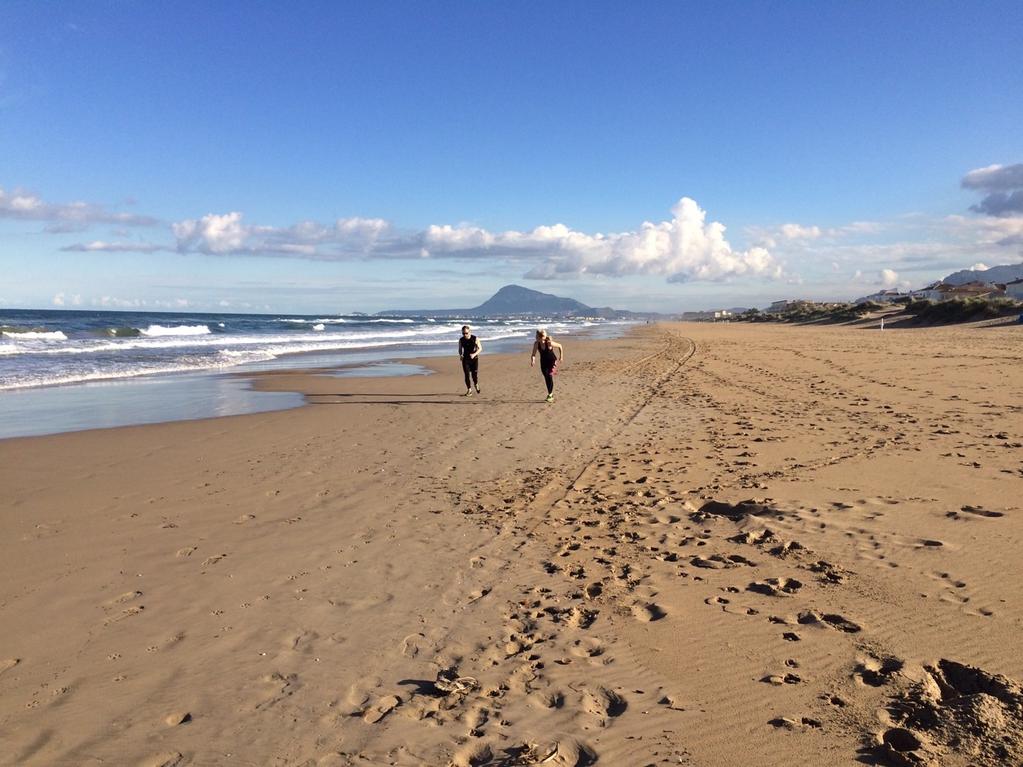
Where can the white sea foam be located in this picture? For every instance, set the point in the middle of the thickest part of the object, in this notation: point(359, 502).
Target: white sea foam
point(348, 339)
point(319, 326)
point(156, 331)
point(34, 335)
point(107, 373)
point(317, 321)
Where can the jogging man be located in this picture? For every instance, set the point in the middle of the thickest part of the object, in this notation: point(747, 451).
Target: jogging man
point(469, 348)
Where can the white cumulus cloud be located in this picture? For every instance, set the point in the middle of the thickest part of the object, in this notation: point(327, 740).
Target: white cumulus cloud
point(1003, 185)
point(687, 247)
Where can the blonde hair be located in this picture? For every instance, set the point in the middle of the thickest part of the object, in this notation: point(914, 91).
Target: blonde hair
point(541, 333)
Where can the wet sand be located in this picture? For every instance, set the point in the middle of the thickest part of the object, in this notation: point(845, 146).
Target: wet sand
point(722, 544)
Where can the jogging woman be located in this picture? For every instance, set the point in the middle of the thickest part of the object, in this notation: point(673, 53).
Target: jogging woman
point(550, 353)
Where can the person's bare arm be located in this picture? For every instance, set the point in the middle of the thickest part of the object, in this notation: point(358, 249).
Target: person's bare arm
point(532, 355)
point(561, 351)
point(479, 348)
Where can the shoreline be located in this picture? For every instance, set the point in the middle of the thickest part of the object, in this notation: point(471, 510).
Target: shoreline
point(194, 394)
point(303, 586)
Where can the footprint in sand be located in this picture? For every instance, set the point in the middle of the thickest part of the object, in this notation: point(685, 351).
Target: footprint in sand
point(167, 759)
point(126, 613)
point(365, 603)
point(381, 708)
point(581, 618)
point(803, 722)
point(185, 552)
point(286, 686)
point(966, 512)
point(719, 562)
point(301, 641)
point(127, 596)
point(7, 664)
point(358, 695)
point(603, 703)
point(588, 648)
point(563, 753)
point(775, 587)
point(473, 754)
point(547, 699)
point(412, 645)
point(829, 573)
point(831, 620)
point(780, 679)
point(877, 672)
point(647, 612)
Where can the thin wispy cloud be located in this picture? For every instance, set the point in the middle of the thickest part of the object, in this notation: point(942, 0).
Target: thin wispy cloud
point(101, 246)
point(228, 234)
point(65, 217)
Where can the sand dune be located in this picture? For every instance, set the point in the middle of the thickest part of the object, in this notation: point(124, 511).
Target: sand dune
point(722, 545)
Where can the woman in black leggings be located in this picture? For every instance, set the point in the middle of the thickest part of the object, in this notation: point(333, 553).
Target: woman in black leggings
point(550, 352)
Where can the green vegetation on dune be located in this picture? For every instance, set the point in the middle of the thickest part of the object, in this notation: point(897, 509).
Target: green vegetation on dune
point(812, 312)
point(921, 310)
point(963, 309)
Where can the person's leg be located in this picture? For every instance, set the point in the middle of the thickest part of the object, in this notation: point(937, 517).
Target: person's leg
point(465, 370)
point(549, 380)
point(474, 366)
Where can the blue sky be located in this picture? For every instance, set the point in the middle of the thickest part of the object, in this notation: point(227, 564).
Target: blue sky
point(358, 156)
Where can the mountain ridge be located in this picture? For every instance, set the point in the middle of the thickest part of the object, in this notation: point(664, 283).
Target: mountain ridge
point(515, 300)
point(1004, 273)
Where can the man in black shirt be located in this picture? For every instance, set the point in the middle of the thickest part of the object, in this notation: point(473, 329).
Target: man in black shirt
point(469, 348)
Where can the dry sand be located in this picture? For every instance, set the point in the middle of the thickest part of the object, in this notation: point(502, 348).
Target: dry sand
point(394, 574)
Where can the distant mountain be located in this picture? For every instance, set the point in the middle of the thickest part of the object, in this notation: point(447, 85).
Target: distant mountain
point(516, 300)
point(994, 274)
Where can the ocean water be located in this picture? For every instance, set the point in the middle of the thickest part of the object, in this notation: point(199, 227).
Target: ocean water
point(70, 370)
point(46, 348)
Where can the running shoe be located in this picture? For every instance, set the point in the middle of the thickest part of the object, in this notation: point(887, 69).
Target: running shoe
point(468, 393)
point(550, 398)
point(478, 389)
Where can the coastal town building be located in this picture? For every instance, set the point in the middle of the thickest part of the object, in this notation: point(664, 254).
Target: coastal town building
point(942, 291)
point(1014, 289)
point(786, 305)
point(883, 297)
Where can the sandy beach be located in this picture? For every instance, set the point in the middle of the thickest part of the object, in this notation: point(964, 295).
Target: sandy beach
point(723, 544)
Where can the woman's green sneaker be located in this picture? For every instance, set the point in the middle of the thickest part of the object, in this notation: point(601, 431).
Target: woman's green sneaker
point(550, 398)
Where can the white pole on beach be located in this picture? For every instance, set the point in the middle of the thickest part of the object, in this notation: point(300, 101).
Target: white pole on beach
point(882, 323)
